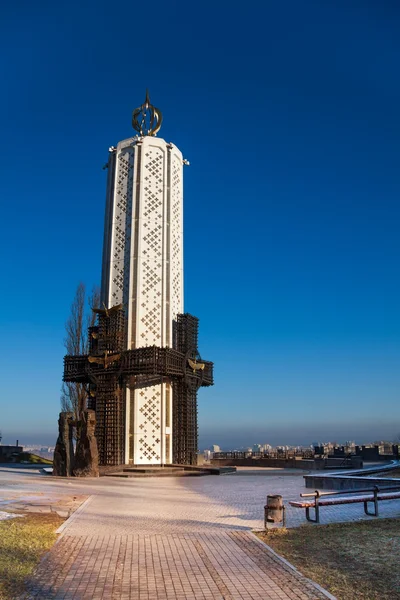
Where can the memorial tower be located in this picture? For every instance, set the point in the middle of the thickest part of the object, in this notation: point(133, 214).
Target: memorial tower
point(144, 368)
point(143, 268)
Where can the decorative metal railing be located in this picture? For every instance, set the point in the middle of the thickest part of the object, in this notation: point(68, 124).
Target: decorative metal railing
point(284, 454)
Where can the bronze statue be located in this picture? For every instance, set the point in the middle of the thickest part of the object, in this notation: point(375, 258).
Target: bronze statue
point(64, 450)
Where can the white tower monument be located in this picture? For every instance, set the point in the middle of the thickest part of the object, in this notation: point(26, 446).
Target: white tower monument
point(143, 271)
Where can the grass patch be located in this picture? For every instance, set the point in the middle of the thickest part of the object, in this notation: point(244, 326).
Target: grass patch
point(33, 459)
point(353, 561)
point(22, 544)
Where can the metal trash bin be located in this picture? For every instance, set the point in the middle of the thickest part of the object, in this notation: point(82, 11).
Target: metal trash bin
point(274, 511)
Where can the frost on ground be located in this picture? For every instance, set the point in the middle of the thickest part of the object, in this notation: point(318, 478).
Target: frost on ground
point(5, 515)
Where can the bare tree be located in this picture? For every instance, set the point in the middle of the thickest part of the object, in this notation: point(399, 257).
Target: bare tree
point(74, 395)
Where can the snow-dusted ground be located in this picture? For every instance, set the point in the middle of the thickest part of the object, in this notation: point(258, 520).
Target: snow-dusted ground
point(5, 515)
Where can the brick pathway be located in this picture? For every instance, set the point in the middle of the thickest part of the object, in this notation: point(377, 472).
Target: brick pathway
point(228, 565)
point(169, 540)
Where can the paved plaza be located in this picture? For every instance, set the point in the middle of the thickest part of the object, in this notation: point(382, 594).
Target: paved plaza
point(171, 538)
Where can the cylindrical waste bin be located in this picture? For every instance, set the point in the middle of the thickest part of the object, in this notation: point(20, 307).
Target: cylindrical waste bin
point(274, 510)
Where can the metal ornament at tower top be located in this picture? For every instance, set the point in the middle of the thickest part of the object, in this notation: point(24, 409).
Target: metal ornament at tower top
point(147, 119)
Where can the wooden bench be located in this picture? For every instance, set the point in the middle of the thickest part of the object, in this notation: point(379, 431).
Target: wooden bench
point(373, 495)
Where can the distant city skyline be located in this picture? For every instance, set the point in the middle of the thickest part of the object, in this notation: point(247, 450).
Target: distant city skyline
point(227, 443)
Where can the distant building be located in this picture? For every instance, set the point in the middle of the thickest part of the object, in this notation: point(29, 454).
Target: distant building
point(385, 448)
point(207, 455)
point(350, 446)
point(216, 448)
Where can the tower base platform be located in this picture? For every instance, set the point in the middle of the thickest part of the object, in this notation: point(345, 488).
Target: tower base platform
point(164, 471)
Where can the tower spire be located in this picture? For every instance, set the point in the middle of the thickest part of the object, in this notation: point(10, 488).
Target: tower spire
point(147, 119)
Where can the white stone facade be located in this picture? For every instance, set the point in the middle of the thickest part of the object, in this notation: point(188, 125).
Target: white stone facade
point(143, 270)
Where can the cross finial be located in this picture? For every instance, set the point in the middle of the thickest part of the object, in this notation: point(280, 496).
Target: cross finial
point(146, 119)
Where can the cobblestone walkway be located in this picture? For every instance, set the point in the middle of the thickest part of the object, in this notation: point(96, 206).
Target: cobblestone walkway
point(167, 540)
point(228, 565)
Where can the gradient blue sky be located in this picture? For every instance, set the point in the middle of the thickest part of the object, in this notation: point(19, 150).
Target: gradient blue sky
point(289, 114)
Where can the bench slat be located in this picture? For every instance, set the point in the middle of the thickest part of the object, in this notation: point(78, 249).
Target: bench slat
point(325, 502)
point(389, 496)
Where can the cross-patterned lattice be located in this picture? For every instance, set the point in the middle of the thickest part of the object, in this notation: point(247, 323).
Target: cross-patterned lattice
point(153, 204)
point(153, 165)
point(149, 423)
point(151, 243)
point(176, 236)
point(122, 218)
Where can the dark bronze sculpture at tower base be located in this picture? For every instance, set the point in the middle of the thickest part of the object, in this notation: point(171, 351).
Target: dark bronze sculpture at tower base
point(86, 460)
point(64, 450)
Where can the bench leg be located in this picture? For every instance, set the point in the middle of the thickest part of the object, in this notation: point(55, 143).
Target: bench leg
point(316, 520)
point(371, 514)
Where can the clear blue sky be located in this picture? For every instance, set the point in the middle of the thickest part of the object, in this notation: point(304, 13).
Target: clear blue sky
point(289, 114)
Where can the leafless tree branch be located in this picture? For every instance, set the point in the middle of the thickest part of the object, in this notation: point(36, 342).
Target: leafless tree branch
point(74, 395)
